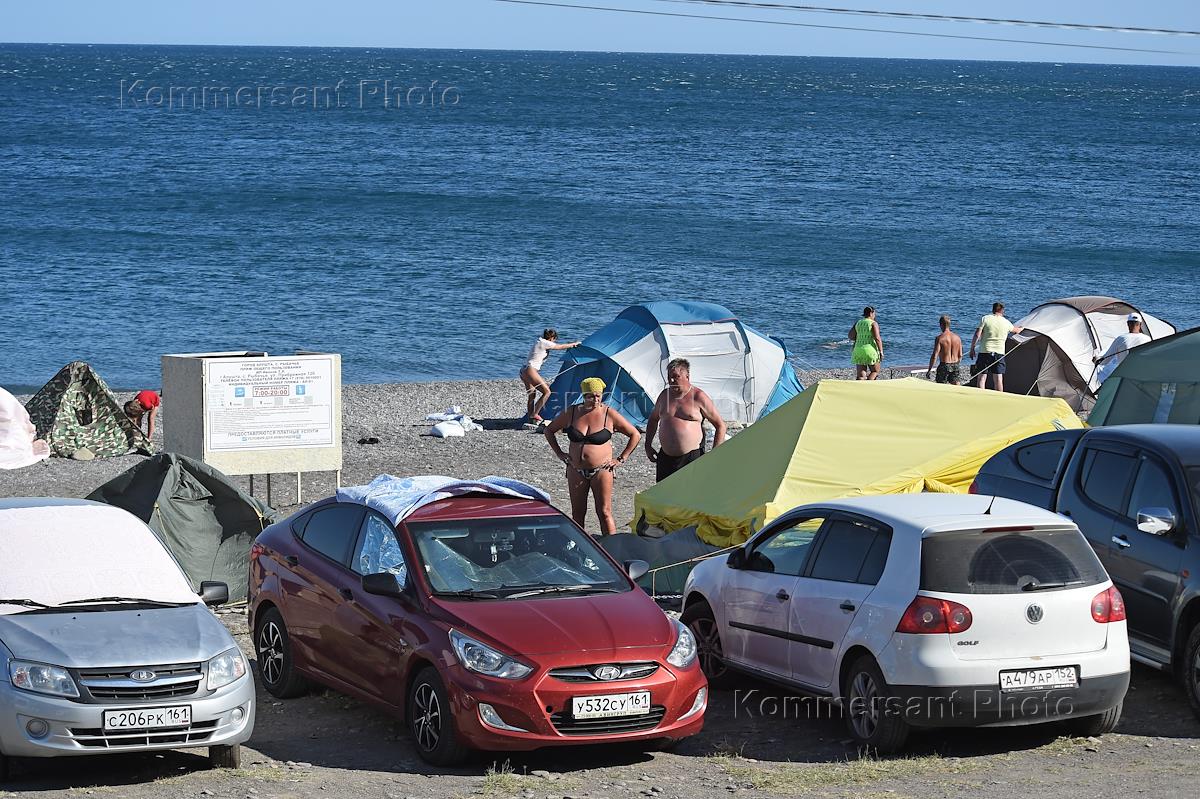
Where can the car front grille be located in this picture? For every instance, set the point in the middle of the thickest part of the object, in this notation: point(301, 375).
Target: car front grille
point(564, 723)
point(629, 671)
point(98, 738)
point(116, 685)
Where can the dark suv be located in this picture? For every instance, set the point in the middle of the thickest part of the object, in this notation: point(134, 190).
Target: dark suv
point(1134, 491)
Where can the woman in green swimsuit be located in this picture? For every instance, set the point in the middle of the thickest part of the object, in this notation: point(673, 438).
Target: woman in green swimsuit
point(868, 346)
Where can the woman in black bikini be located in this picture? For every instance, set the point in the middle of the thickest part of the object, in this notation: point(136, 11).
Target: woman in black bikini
point(590, 464)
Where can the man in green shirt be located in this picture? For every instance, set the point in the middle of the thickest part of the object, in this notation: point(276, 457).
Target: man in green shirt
point(993, 331)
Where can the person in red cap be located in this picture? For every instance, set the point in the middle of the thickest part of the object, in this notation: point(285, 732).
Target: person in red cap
point(145, 403)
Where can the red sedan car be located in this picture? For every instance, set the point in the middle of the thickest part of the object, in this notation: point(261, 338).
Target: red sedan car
point(486, 622)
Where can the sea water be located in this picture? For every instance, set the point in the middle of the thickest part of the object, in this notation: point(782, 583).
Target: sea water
point(426, 213)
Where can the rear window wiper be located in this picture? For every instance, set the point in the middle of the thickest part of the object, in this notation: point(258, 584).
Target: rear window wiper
point(129, 599)
point(467, 594)
point(563, 589)
point(1049, 586)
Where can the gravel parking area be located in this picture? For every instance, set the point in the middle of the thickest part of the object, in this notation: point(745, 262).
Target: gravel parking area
point(758, 740)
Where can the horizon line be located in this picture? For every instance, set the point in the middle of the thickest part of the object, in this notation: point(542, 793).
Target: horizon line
point(1060, 61)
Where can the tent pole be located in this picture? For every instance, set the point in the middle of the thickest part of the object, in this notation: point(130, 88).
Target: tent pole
point(299, 496)
point(268, 488)
point(251, 485)
point(338, 479)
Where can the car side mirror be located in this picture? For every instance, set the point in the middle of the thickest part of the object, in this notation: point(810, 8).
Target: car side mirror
point(382, 584)
point(214, 593)
point(736, 559)
point(1155, 521)
point(636, 568)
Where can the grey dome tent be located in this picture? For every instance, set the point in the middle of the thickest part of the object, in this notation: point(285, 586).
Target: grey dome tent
point(1053, 355)
point(206, 522)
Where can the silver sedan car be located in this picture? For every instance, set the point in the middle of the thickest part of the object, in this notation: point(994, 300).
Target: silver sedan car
point(104, 646)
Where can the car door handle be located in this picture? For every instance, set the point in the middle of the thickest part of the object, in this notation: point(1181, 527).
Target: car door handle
point(292, 560)
point(782, 596)
point(847, 606)
point(1121, 541)
point(347, 594)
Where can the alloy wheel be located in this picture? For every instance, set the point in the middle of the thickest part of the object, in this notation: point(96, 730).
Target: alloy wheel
point(864, 707)
point(427, 717)
point(708, 641)
point(270, 652)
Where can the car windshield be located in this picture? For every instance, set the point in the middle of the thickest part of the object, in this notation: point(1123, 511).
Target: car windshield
point(528, 555)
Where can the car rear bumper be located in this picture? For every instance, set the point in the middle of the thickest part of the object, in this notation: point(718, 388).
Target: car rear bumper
point(541, 711)
point(78, 729)
point(987, 705)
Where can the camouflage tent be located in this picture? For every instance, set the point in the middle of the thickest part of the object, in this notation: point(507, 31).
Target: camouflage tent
point(75, 411)
point(207, 522)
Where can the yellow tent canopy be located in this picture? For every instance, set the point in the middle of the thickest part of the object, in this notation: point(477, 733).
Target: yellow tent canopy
point(841, 438)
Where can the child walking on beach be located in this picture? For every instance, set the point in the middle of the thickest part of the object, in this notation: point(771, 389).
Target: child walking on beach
point(868, 346)
point(537, 391)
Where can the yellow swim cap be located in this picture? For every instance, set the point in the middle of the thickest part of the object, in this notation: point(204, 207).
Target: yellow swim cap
point(592, 385)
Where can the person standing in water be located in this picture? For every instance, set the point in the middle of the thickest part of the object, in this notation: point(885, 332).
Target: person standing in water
point(679, 415)
point(537, 391)
point(868, 346)
point(591, 466)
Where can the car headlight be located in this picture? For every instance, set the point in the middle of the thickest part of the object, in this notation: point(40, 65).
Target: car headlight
point(683, 654)
point(42, 679)
point(482, 658)
point(225, 668)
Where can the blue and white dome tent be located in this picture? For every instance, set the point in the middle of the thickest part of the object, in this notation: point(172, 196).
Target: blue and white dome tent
point(746, 373)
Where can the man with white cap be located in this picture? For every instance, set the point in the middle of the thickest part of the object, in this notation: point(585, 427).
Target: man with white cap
point(1120, 347)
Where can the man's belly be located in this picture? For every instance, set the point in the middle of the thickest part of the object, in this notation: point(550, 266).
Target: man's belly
point(678, 436)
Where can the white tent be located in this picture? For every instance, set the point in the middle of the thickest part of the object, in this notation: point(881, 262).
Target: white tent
point(19, 445)
point(1054, 355)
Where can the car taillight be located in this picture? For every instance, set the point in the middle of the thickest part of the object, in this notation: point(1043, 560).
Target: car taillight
point(974, 489)
point(255, 551)
point(1108, 606)
point(926, 615)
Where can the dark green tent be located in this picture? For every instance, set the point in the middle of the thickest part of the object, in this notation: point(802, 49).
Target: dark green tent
point(671, 557)
point(206, 521)
point(1157, 382)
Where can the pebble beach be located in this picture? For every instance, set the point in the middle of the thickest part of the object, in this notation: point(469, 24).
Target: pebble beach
point(395, 414)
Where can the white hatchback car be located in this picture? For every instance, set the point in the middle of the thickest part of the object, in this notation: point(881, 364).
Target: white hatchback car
point(927, 610)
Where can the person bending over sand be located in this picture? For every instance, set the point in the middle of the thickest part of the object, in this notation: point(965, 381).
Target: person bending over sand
point(537, 391)
point(145, 404)
point(590, 464)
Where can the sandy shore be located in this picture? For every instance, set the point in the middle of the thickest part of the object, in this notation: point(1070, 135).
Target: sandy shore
point(395, 414)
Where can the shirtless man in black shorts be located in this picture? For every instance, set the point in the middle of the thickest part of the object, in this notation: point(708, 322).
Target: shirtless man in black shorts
point(679, 415)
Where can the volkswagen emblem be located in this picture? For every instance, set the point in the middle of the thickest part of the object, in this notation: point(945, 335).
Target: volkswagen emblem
point(1034, 613)
point(606, 673)
point(142, 675)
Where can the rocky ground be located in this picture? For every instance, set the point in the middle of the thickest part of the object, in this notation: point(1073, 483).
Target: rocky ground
point(757, 740)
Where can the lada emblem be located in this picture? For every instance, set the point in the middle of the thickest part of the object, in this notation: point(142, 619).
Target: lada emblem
point(606, 673)
point(142, 675)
